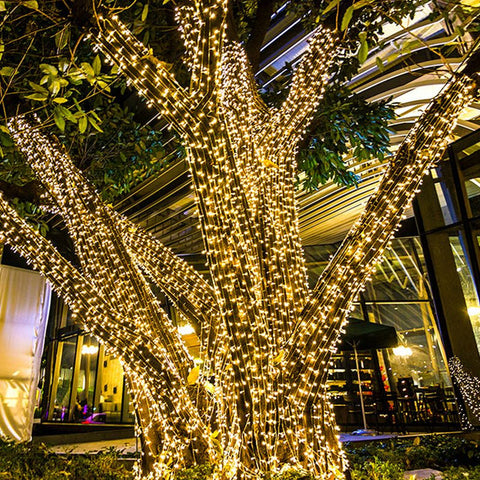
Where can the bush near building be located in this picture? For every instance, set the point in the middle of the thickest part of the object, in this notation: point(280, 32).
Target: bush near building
point(457, 456)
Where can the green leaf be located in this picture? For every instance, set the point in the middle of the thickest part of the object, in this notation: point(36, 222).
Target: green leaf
point(94, 124)
point(362, 3)
point(82, 124)
point(59, 120)
point(379, 63)
point(3, 8)
point(145, 12)
point(67, 114)
point(94, 115)
point(103, 85)
point(39, 97)
point(2, 49)
point(38, 88)
point(48, 69)
point(63, 64)
point(62, 37)
point(88, 69)
point(6, 140)
point(54, 87)
point(346, 18)
point(331, 6)
point(31, 4)
point(7, 71)
point(97, 65)
point(60, 100)
point(363, 52)
point(393, 56)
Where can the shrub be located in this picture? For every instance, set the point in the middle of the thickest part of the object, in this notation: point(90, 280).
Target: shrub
point(32, 462)
point(377, 470)
point(462, 473)
point(199, 472)
point(431, 451)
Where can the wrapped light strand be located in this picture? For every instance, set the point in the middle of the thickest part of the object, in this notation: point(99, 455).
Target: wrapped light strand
point(256, 402)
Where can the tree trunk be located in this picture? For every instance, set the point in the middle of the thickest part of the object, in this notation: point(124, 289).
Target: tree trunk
point(258, 404)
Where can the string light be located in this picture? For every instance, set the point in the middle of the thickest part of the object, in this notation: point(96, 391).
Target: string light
point(469, 386)
point(256, 401)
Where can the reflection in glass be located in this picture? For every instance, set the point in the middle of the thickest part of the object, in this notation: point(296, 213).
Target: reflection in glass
point(400, 275)
point(108, 405)
point(63, 386)
point(467, 283)
point(472, 187)
point(419, 338)
point(86, 378)
point(99, 394)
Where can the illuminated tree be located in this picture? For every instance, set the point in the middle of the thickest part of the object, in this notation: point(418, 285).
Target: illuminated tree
point(256, 401)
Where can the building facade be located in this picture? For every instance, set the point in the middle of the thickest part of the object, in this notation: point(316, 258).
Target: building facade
point(426, 288)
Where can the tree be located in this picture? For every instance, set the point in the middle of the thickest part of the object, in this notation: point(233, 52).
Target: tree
point(256, 402)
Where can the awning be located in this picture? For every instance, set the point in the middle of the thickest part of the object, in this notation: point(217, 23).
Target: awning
point(367, 336)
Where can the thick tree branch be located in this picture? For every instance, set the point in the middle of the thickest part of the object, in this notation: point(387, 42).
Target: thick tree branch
point(202, 25)
point(133, 346)
point(97, 241)
point(354, 262)
point(150, 76)
point(259, 29)
point(190, 293)
point(308, 85)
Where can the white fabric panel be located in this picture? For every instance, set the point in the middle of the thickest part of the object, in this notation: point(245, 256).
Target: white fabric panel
point(24, 306)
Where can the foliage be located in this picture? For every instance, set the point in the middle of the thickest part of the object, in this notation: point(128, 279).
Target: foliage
point(49, 69)
point(31, 462)
point(291, 474)
point(462, 473)
point(430, 451)
point(377, 470)
point(345, 125)
point(198, 472)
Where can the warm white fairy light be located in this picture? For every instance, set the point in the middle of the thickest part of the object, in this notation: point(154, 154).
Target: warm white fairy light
point(469, 386)
point(256, 402)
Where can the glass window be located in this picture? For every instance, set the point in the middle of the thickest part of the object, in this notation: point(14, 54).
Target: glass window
point(63, 384)
point(99, 394)
point(400, 276)
point(470, 168)
point(420, 354)
point(108, 405)
point(447, 199)
point(86, 378)
point(467, 283)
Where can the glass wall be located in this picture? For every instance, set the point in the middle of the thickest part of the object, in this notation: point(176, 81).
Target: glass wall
point(454, 190)
point(398, 296)
point(88, 385)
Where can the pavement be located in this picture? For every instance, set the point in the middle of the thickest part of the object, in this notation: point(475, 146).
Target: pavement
point(90, 443)
point(124, 445)
point(425, 474)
